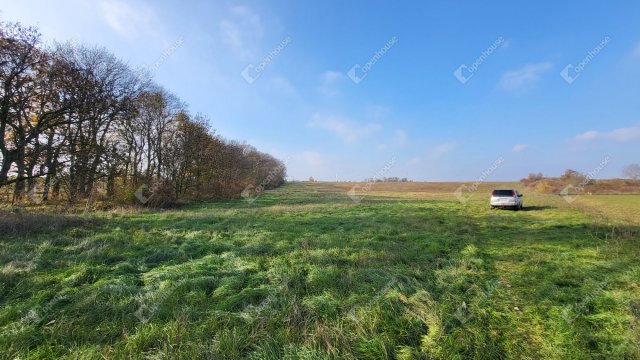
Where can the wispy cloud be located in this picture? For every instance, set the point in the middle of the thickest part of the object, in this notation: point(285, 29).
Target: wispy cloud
point(414, 161)
point(523, 77)
point(348, 130)
point(378, 112)
point(330, 80)
point(312, 158)
point(400, 137)
point(441, 150)
point(331, 76)
point(240, 29)
point(126, 19)
point(283, 86)
point(520, 147)
point(620, 135)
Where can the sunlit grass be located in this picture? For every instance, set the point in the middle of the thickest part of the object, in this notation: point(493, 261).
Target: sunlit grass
point(304, 272)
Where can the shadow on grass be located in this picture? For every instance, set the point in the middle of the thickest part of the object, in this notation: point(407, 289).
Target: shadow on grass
point(537, 208)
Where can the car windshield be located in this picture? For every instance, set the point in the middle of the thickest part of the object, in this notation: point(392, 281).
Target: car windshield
point(503, 193)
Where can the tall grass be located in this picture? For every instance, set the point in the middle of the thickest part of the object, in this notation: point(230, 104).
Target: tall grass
point(304, 273)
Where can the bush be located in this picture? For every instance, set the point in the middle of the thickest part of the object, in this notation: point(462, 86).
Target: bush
point(532, 178)
point(544, 187)
point(573, 176)
point(125, 195)
point(163, 195)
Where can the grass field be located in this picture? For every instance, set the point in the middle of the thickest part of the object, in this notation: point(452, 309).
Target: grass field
point(305, 272)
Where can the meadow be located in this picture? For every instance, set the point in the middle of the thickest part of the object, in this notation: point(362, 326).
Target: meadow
point(403, 271)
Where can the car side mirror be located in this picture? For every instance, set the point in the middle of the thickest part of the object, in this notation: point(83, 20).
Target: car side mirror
point(520, 195)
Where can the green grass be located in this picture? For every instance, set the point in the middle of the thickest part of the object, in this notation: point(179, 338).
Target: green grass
point(304, 273)
point(624, 208)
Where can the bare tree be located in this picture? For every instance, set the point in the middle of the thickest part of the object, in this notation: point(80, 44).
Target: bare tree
point(632, 171)
point(106, 90)
point(31, 107)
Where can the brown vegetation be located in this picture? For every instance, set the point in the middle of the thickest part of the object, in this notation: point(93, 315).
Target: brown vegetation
point(24, 223)
point(573, 182)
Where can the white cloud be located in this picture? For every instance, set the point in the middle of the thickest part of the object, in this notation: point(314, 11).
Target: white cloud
point(331, 76)
point(621, 134)
point(348, 130)
point(520, 147)
point(400, 137)
point(527, 75)
point(442, 149)
point(283, 86)
point(378, 112)
point(241, 30)
point(312, 158)
point(414, 161)
point(330, 80)
point(129, 21)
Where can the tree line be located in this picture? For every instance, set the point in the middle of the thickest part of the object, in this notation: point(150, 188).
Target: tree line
point(76, 122)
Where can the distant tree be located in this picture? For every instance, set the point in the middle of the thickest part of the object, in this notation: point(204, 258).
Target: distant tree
point(572, 174)
point(311, 179)
point(532, 178)
point(632, 171)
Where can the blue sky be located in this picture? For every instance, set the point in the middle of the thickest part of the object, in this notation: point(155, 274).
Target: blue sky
point(554, 85)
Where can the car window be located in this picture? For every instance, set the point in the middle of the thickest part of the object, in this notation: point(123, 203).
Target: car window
point(503, 193)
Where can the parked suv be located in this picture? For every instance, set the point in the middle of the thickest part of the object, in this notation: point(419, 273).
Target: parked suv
point(506, 199)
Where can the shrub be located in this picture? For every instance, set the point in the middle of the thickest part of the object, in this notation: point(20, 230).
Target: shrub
point(163, 195)
point(532, 178)
point(544, 187)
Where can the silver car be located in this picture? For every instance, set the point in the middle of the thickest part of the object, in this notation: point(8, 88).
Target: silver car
point(506, 199)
